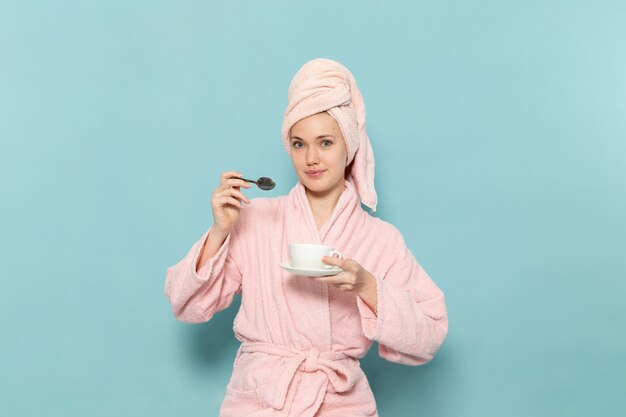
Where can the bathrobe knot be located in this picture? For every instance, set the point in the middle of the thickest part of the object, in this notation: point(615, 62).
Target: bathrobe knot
point(310, 364)
point(322, 367)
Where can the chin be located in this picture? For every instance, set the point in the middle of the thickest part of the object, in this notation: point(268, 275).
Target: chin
point(315, 186)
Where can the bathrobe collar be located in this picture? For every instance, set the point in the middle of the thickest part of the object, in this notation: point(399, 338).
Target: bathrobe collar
point(348, 205)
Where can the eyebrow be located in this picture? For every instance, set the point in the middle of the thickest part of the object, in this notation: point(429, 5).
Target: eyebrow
point(319, 137)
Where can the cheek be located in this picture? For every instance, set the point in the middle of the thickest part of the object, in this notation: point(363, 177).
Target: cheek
point(344, 154)
point(340, 159)
point(296, 158)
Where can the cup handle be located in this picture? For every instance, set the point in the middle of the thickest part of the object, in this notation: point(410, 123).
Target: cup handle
point(334, 254)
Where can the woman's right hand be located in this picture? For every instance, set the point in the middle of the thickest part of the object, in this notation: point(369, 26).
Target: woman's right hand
point(227, 201)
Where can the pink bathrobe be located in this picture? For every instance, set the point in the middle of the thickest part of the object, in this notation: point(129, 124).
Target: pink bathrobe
point(301, 338)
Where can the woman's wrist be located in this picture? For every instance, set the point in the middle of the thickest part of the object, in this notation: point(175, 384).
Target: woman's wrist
point(368, 291)
point(369, 283)
point(212, 244)
point(218, 232)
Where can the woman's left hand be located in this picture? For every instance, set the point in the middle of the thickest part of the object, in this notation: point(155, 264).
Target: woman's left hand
point(353, 278)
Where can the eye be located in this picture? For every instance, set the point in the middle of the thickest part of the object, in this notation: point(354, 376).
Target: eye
point(296, 144)
point(326, 143)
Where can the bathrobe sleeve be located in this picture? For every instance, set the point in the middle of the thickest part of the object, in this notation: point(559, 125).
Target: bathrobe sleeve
point(196, 296)
point(411, 321)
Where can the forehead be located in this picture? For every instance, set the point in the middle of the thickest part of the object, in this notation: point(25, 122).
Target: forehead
point(314, 126)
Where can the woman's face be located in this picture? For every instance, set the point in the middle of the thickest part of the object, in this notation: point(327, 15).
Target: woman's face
point(318, 153)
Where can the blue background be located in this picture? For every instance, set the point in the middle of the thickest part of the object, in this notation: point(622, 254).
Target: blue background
point(499, 132)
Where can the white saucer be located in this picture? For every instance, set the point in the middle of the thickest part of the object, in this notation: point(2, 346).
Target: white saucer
point(311, 272)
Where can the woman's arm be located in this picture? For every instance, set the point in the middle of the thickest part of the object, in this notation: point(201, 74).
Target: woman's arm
point(410, 321)
point(205, 281)
point(353, 278)
point(196, 294)
point(405, 312)
point(213, 243)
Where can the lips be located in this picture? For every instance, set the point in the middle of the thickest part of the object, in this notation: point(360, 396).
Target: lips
point(314, 173)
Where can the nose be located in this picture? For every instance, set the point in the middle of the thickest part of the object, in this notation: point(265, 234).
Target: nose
point(312, 156)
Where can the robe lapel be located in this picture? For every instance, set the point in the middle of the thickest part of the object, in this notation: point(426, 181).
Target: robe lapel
point(312, 317)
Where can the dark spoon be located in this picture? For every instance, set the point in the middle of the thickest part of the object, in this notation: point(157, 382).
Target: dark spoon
point(264, 183)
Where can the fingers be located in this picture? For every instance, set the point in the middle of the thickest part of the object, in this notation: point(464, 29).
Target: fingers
point(331, 260)
point(230, 193)
point(223, 201)
point(227, 200)
point(331, 279)
point(343, 280)
point(232, 179)
point(234, 182)
point(348, 279)
point(229, 174)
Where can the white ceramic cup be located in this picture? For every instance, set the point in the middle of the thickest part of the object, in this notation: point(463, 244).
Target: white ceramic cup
point(308, 255)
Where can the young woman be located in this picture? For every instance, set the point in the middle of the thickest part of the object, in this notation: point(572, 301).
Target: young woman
point(302, 337)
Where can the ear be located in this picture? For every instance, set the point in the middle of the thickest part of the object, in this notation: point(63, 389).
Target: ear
point(348, 170)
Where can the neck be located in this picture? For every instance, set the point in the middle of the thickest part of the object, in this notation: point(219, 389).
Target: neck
point(323, 203)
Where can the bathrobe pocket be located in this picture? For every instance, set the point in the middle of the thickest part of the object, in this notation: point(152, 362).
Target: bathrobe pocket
point(249, 394)
point(240, 400)
point(238, 403)
point(241, 391)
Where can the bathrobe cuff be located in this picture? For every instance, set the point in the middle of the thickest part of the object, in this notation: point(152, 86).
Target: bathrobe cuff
point(196, 296)
point(204, 273)
point(369, 319)
point(403, 330)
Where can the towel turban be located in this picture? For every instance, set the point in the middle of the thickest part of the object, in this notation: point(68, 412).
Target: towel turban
point(323, 85)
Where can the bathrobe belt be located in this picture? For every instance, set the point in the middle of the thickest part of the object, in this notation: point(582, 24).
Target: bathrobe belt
point(312, 360)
